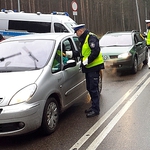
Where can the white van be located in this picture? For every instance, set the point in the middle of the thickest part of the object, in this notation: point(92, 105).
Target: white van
point(21, 23)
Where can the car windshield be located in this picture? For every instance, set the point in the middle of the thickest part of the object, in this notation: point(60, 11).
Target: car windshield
point(116, 40)
point(70, 25)
point(25, 54)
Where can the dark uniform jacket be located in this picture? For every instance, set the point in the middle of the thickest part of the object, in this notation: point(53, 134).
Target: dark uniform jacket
point(95, 50)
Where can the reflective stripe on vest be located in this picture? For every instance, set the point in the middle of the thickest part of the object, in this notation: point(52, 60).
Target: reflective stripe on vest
point(86, 51)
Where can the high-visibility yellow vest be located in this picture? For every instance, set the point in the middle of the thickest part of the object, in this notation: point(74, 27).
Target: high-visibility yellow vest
point(148, 38)
point(86, 51)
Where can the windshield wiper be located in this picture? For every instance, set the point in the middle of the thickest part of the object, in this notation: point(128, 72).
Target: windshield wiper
point(31, 55)
point(3, 58)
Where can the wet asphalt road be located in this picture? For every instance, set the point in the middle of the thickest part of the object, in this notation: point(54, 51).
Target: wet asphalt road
point(123, 123)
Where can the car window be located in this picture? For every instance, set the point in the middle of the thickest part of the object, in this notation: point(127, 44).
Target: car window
point(68, 46)
point(136, 39)
point(25, 54)
point(139, 37)
point(77, 42)
point(57, 60)
point(78, 45)
point(116, 40)
point(60, 56)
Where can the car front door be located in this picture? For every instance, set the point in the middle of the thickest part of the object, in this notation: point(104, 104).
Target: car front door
point(140, 48)
point(74, 80)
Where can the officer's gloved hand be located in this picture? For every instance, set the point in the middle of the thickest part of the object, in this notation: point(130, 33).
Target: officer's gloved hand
point(85, 62)
point(69, 54)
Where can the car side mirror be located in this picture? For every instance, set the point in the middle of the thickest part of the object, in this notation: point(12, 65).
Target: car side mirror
point(70, 63)
point(138, 43)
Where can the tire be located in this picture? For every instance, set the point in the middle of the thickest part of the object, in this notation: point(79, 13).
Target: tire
point(135, 66)
point(50, 116)
point(100, 82)
point(146, 59)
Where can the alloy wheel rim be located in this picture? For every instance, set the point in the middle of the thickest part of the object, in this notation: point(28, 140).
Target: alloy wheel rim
point(52, 115)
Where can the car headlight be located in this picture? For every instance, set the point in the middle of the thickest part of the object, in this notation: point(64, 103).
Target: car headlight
point(124, 55)
point(23, 95)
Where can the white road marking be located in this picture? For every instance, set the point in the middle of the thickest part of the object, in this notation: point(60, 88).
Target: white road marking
point(91, 131)
point(113, 122)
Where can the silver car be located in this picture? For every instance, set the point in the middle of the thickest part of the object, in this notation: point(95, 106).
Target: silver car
point(37, 81)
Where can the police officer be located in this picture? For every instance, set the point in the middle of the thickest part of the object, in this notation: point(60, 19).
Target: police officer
point(148, 41)
point(92, 63)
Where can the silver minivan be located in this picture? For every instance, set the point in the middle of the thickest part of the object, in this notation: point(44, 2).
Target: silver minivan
point(37, 81)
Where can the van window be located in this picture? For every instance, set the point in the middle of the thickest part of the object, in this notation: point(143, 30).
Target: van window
point(30, 26)
point(58, 27)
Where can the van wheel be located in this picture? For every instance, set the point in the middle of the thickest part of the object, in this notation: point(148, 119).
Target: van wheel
point(50, 116)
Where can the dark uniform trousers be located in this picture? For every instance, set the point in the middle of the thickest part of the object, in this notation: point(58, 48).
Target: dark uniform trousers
point(92, 83)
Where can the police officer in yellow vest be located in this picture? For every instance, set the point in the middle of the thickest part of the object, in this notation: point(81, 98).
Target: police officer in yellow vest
point(148, 33)
point(92, 63)
point(148, 40)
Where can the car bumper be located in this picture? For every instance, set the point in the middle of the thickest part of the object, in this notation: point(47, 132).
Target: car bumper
point(119, 64)
point(21, 118)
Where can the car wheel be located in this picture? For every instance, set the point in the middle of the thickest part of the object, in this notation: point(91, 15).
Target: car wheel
point(135, 66)
point(50, 116)
point(146, 59)
point(100, 82)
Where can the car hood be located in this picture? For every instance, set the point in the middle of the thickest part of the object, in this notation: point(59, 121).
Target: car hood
point(12, 82)
point(115, 50)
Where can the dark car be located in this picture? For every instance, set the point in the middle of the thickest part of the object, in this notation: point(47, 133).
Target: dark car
point(124, 50)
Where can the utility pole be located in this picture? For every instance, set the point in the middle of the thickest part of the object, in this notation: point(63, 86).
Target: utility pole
point(18, 5)
point(146, 12)
point(138, 15)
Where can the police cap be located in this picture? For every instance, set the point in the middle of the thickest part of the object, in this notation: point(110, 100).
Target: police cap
point(147, 21)
point(77, 27)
